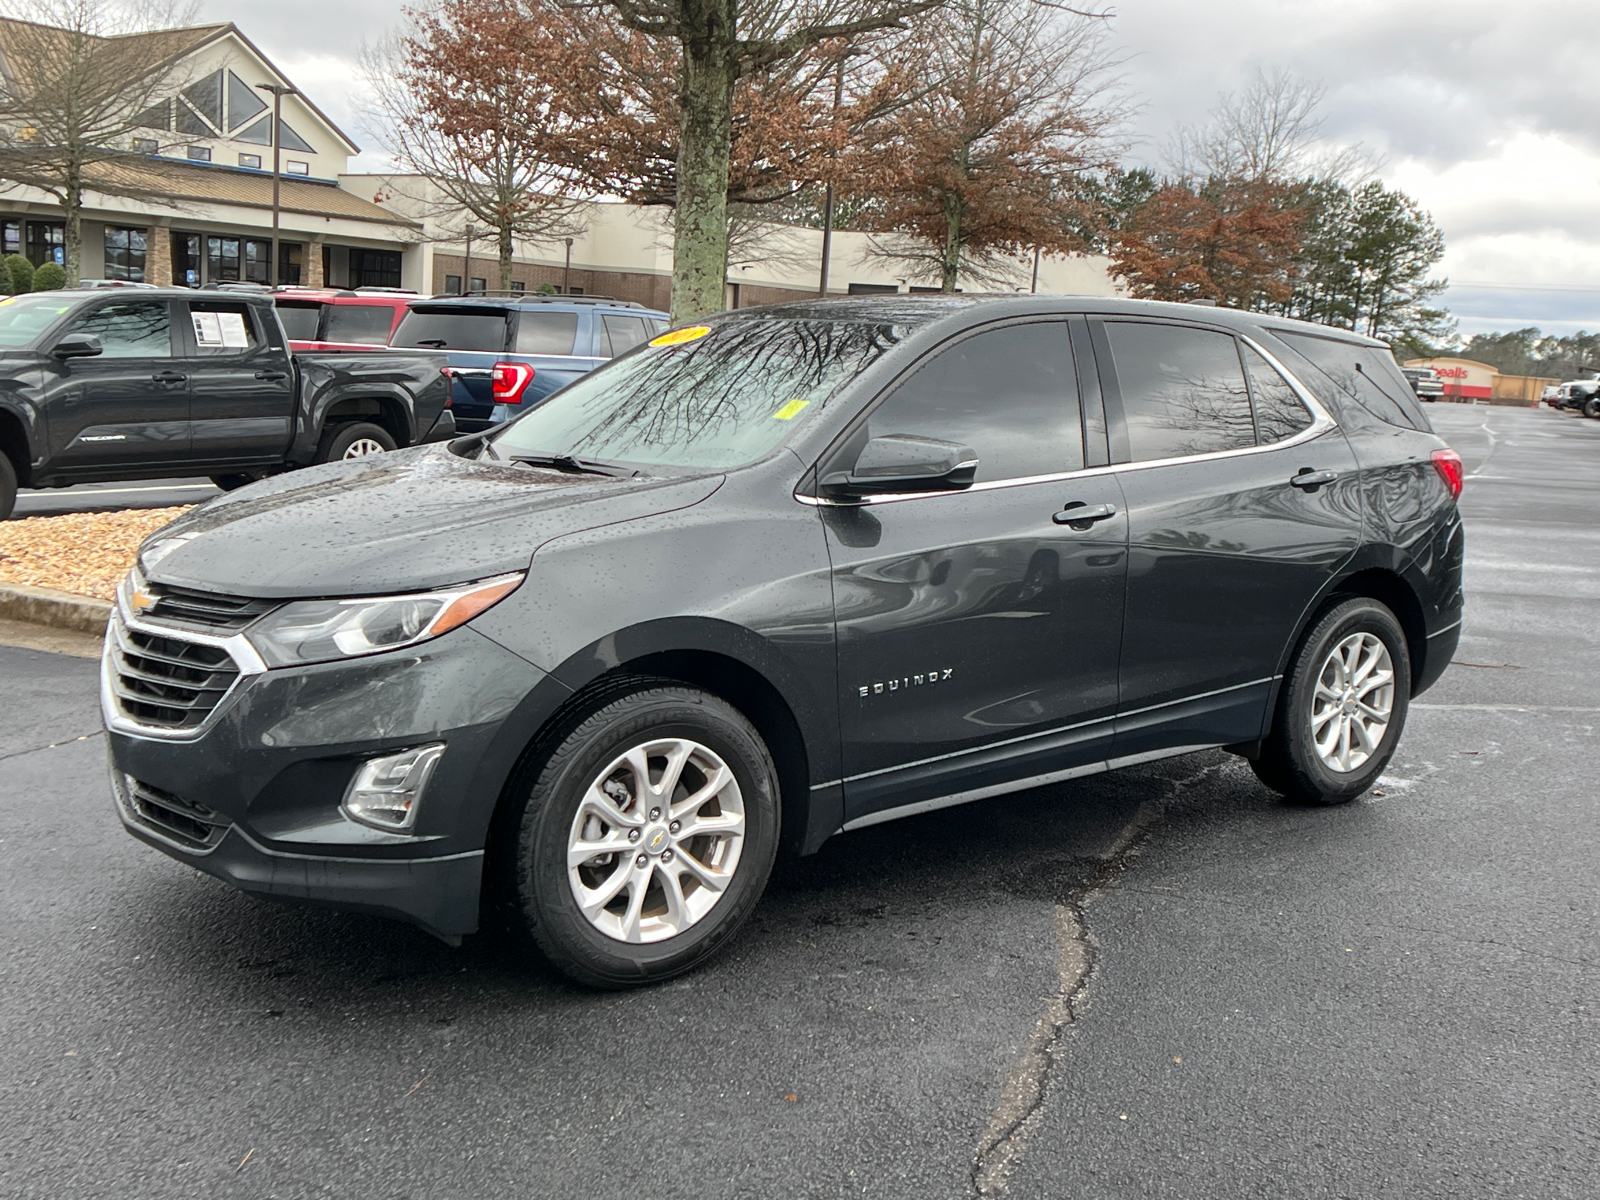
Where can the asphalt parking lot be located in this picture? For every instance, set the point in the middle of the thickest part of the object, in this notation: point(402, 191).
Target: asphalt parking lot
point(1162, 983)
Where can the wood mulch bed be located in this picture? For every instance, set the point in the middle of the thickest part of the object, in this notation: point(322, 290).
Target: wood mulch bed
point(85, 553)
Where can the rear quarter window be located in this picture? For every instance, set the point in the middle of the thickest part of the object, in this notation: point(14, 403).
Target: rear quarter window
point(475, 329)
point(362, 324)
point(300, 321)
point(1367, 374)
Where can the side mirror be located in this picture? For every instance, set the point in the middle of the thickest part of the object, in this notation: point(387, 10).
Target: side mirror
point(78, 345)
point(905, 462)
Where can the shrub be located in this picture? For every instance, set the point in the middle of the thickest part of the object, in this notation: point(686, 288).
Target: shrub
point(546, 289)
point(48, 278)
point(19, 274)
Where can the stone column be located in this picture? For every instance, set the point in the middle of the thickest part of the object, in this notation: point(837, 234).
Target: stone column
point(158, 256)
point(311, 273)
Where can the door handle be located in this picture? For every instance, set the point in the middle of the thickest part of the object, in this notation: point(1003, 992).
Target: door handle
point(1307, 478)
point(170, 377)
point(272, 376)
point(1081, 516)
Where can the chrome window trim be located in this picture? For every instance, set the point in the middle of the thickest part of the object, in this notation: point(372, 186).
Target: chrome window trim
point(236, 646)
point(1321, 422)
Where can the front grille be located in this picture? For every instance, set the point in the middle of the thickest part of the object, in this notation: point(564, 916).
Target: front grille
point(168, 682)
point(203, 610)
point(183, 821)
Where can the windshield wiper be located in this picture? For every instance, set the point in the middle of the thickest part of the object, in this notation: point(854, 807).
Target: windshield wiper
point(571, 464)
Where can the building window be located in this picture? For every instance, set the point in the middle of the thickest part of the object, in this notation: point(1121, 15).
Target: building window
point(12, 234)
point(47, 242)
point(575, 291)
point(374, 268)
point(291, 256)
point(222, 260)
point(253, 161)
point(452, 285)
point(125, 254)
point(479, 285)
point(296, 168)
point(199, 153)
point(146, 146)
point(518, 286)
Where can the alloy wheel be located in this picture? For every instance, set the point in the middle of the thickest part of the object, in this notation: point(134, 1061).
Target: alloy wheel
point(1353, 702)
point(656, 840)
point(362, 447)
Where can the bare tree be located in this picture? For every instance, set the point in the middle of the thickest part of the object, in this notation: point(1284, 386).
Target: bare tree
point(456, 105)
point(719, 41)
point(1272, 131)
point(79, 81)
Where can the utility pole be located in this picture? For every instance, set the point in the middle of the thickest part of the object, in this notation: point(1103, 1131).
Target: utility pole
point(1034, 287)
point(566, 272)
point(279, 91)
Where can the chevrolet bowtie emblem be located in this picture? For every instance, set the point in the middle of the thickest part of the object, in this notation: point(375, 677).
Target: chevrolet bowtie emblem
point(141, 600)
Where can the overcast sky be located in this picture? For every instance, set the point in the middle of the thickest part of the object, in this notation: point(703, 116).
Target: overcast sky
point(1488, 113)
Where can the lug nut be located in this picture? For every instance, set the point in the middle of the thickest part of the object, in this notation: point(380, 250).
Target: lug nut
point(655, 814)
point(633, 835)
point(666, 856)
point(674, 827)
point(641, 860)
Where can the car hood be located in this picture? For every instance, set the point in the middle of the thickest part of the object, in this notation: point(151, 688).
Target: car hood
point(401, 522)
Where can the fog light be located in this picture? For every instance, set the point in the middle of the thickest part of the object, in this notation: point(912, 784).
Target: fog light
point(387, 791)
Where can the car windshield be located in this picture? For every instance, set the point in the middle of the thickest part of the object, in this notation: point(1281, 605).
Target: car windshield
point(702, 397)
point(24, 318)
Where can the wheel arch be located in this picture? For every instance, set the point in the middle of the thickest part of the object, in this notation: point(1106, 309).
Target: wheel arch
point(15, 446)
point(1384, 584)
point(382, 410)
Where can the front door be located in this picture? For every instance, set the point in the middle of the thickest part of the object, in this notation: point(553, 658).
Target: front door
point(978, 636)
point(1228, 546)
point(128, 406)
point(241, 387)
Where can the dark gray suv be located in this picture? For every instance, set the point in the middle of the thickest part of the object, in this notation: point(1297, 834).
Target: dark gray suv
point(792, 572)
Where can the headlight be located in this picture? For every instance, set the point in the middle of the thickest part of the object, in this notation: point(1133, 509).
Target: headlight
point(310, 631)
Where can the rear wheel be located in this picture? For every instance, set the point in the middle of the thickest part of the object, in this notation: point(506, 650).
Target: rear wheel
point(1342, 707)
point(8, 486)
point(358, 439)
point(648, 837)
point(1591, 407)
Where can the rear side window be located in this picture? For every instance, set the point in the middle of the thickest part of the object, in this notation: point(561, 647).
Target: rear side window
point(476, 329)
point(620, 334)
point(131, 329)
point(300, 320)
point(363, 324)
point(222, 328)
point(546, 332)
point(1364, 373)
point(1011, 394)
point(1279, 412)
point(1183, 390)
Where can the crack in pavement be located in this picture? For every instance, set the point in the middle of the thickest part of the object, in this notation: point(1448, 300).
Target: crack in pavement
point(1022, 1095)
point(53, 745)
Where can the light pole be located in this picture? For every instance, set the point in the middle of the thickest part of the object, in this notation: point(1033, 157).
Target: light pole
point(827, 203)
point(279, 91)
point(566, 272)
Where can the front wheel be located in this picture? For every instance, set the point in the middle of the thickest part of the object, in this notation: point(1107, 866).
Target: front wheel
point(648, 837)
point(357, 439)
point(229, 483)
point(1591, 407)
point(1341, 708)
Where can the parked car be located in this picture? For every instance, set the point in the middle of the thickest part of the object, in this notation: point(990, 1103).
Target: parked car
point(340, 318)
point(508, 352)
point(1581, 395)
point(103, 384)
point(1424, 381)
point(789, 573)
point(1551, 395)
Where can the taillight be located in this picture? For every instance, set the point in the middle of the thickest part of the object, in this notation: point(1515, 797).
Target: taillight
point(510, 381)
point(1448, 464)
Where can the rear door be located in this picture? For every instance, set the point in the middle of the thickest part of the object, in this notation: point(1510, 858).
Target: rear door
point(129, 405)
point(241, 385)
point(978, 635)
point(1227, 548)
point(475, 336)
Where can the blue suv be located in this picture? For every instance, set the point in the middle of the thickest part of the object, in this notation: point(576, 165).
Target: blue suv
point(515, 349)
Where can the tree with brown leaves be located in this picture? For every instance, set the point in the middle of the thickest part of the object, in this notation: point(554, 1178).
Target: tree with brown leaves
point(986, 161)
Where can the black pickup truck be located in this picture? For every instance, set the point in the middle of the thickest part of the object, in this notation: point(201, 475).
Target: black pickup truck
point(97, 387)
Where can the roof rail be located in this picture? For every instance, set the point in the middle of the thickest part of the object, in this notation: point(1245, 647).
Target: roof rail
point(535, 297)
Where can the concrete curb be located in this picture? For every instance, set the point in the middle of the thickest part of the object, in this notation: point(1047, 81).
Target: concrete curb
point(59, 610)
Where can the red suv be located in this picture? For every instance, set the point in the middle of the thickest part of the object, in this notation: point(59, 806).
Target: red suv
point(340, 319)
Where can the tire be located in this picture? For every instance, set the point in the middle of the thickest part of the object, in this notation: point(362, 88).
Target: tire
point(1591, 407)
point(354, 440)
point(229, 483)
point(634, 932)
point(8, 486)
point(1291, 762)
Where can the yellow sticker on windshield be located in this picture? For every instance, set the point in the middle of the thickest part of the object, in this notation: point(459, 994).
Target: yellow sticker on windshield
point(677, 337)
point(790, 410)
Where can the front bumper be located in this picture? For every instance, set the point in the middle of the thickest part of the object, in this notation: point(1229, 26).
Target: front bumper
point(253, 795)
